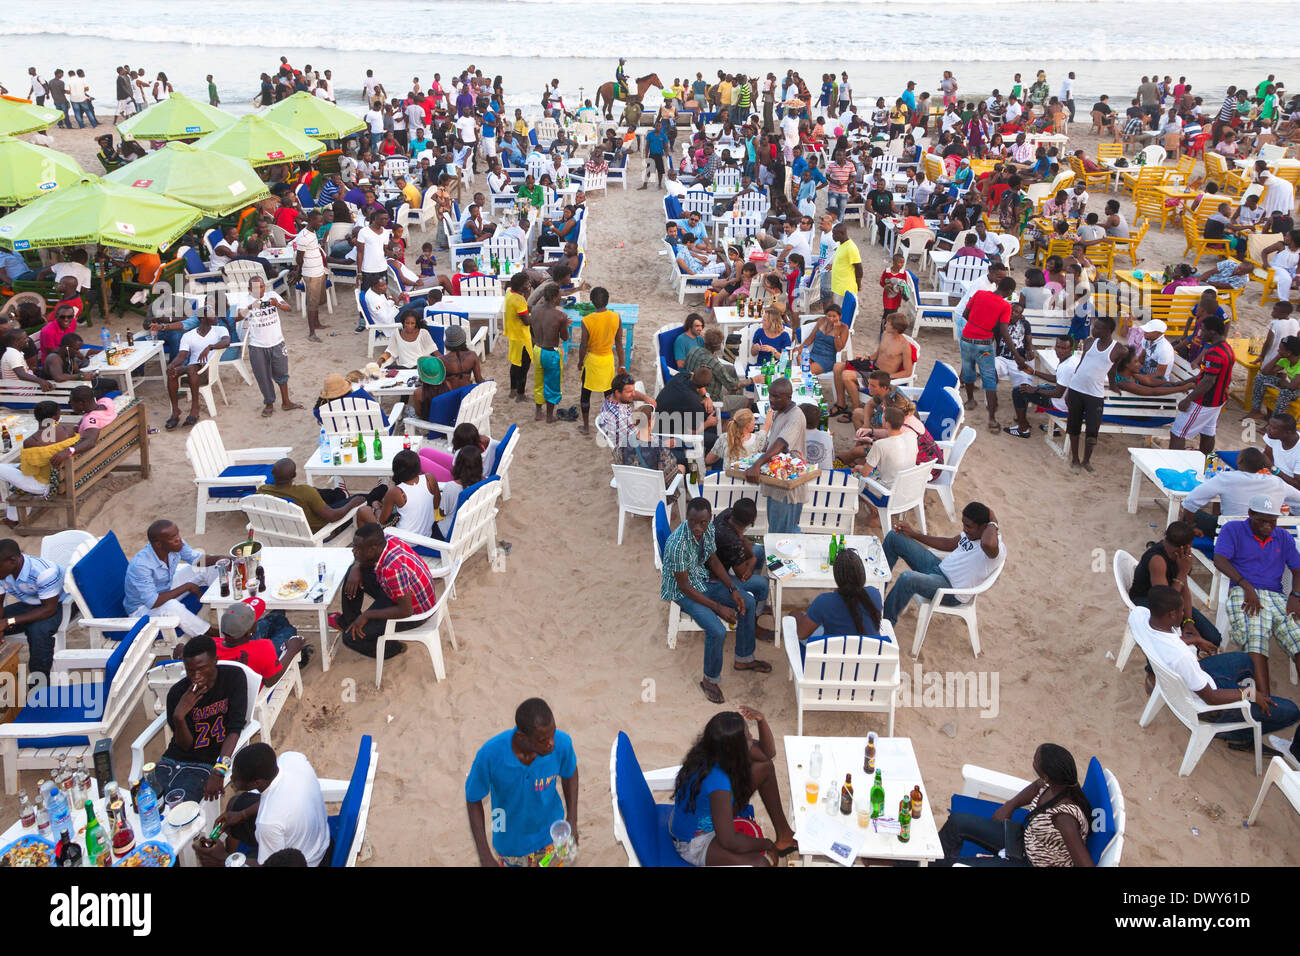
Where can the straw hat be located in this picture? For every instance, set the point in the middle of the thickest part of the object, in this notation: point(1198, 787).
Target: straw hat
point(336, 386)
point(431, 370)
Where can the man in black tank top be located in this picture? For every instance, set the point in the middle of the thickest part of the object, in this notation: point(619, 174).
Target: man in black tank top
point(1167, 563)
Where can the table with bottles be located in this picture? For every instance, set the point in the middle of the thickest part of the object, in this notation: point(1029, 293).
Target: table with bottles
point(476, 308)
point(346, 462)
point(141, 352)
point(806, 391)
point(180, 839)
point(817, 823)
point(809, 555)
point(19, 426)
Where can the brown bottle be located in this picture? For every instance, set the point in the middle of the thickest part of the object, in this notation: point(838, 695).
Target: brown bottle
point(916, 802)
point(846, 795)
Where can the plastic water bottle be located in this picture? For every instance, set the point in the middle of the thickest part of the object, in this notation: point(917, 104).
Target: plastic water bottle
point(150, 819)
point(804, 363)
point(60, 816)
point(324, 447)
point(105, 338)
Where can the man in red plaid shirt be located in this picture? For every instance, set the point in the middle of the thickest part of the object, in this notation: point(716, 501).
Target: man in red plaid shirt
point(395, 577)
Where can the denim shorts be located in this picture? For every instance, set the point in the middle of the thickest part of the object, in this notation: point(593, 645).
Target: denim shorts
point(979, 355)
point(695, 851)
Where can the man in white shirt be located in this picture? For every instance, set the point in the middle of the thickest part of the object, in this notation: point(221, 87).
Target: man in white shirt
point(382, 306)
point(374, 117)
point(790, 135)
point(1066, 94)
point(1014, 109)
point(309, 268)
point(985, 241)
point(467, 137)
point(1282, 447)
point(372, 87)
point(1234, 489)
point(1218, 679)
point(673, 185)
point(191, 355)
point(267, 352)
point(510, 227)
point(1157, 351)
point(75, 267)
point(971, 557)
point(950, 119)
point(280, 807)
point(371, 242)
point(37, 90)
point(890, 455)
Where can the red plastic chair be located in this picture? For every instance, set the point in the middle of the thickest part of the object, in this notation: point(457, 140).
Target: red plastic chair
point(1197, 147)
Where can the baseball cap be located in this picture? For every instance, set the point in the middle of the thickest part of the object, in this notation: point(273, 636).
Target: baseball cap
point(1155, 325)
point(238, 619)
point(1263, 504)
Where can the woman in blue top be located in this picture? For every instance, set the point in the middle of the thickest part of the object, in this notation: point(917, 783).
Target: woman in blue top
point(770, 340)
point(723, 769)
point(828, 336)
point(692, 337)
point(851, 609)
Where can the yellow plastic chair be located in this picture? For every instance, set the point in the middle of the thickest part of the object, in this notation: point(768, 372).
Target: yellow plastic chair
point(1129, 246)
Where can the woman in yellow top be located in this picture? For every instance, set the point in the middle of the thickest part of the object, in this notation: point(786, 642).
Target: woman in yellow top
point(52, 445)
point(602, 343)
point(518, 333)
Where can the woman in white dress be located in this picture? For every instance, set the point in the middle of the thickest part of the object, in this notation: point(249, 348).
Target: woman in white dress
point(741, 439)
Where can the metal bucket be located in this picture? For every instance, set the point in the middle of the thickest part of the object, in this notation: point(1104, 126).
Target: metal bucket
point(249, 562)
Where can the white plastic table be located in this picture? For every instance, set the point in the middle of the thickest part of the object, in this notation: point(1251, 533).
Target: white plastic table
point(287, 564)
point(180, 839)
point(899, 773)
point(816, 574)
point(1145, 463)
point(146, 350)
point(727, 318)
point(478, 308)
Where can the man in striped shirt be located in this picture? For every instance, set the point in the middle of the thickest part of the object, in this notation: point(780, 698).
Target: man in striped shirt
point(744, 99)
point(395, 577)
point(840, 173)
point(1198, 413)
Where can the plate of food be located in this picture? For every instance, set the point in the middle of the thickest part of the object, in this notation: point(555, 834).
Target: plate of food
point(149, 853)
point(28, 850)
point(789, 548)
point(292, 590)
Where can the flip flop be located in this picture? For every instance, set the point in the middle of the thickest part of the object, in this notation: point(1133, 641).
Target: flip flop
point(758, 667)
point(712, 692)
point(994, 427)
point(191, 421)
point(267, 411)
point(846, 419)
point(292, 407)
point(171, 423)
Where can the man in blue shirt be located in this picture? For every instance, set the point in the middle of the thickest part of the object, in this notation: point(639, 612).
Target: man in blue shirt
point(522, 770)
point(14, 268)
point(156, 585)
point(909, 96)
point(656, 146)
point(35, 588)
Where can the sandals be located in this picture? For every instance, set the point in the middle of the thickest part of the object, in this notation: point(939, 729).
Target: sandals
point(268, 411)
point(846, 418)
point(712, 692)
point(994, 427)
point(191, 421)
point(758, 667)
point(171, 423)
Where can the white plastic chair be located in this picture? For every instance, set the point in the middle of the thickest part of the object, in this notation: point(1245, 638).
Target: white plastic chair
point(475, 527)
point(350, 415)
point(475, 409)
point(594, 181)
point(1188, 708)
point(912, 245)
point(213, 462)
point(278, 522)
point(943, 485)
point(1279, 775)
point(858, 674)
point(60, 548)
point(480, 286)
point(927, 608)
point(960, 271)
point(833, 499)
point(906, 494)
point(640, 490)
point(429, 633)
point(505, 458)
point(1123, 565)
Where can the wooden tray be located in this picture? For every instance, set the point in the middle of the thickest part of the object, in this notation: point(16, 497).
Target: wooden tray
point(784, 483)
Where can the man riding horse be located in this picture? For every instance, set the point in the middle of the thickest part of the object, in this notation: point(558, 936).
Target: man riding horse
point(620, 80)
point(620, 89)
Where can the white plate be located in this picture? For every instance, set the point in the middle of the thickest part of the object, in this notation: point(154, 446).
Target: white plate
point(183, 814)
point(790, 548)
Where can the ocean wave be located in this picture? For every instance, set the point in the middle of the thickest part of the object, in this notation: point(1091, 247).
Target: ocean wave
point(1080, 46)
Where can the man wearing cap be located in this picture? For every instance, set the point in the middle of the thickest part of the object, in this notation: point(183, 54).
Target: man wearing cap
point(1253, 554)
point(321, 506)
point(241, 640)
point(1234, 489)
point(1157, 351)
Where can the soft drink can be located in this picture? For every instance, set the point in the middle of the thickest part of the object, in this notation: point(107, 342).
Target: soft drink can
point(235, 859)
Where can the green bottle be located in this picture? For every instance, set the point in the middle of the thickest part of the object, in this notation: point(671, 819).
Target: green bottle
point(877, 797)
point(834, 550)
point(361, 449)
point(96, 849)
point(904, 820)
point(379, 447)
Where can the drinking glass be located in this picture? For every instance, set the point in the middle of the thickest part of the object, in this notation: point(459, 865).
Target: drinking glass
point(173, 799)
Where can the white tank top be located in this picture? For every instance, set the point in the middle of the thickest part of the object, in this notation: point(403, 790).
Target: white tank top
point(968, 565)
point(1090, 376)
point(417, 514)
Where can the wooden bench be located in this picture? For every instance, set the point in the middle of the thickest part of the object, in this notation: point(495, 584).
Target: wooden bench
point(69, 484)
point(1174, 309)
point(15, 393)
point(1149, 416)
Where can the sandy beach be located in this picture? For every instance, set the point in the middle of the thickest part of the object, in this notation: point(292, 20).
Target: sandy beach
point(577, 619)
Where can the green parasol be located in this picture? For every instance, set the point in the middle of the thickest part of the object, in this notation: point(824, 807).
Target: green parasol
point(314, 117)
point(262, 142)
point(177, 117)
point(28, 171)
point(19, 116)
point(214, 184)
point(95, 211)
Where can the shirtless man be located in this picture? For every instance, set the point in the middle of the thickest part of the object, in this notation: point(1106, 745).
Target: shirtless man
point(550, 327)
point(893, 357)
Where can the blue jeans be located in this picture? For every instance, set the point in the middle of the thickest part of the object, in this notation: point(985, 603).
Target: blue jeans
point(783, 517)
point(835, 203)
point(758, 584)
point(715, 629)
point(66, 122)
point(190, 777)
point(1228, 671)
point(924, 579)
point(40, 637)
point(81, 110)
point(978, 355)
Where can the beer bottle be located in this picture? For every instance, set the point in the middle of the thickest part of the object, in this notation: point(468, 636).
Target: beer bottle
point(846, 795)
point(904, 820)
point(916, 802)
point(833, 551)
point(97, 853)
point(5, 438)
point(869, 755)
point(361, 449)
point(877, 797)
point(379, 447)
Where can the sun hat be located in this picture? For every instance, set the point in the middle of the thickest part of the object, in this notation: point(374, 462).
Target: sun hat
point(455, 337)
point(336, 386)
point(431, 370)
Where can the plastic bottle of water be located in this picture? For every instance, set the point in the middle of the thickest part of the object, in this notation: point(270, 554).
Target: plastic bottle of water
point(805, 363)
point(150, 820)
point(60, 816)
point(105, 338)
point(324, 446)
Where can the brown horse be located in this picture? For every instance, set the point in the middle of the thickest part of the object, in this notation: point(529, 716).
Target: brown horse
point(605, 94)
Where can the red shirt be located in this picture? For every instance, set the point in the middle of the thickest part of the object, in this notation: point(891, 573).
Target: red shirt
point(286, 217)
point(401, 572)
point(455, 280)
point(987, 309)
point(891, 301)
point(1216, 361)
point(261, 656)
